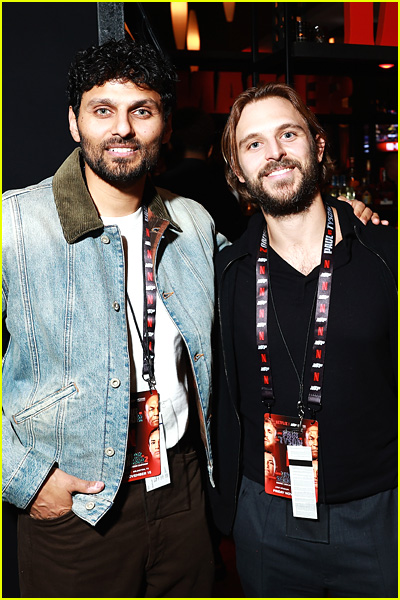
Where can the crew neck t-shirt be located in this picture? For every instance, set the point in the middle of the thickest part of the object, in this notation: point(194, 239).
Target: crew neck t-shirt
point(170, 352)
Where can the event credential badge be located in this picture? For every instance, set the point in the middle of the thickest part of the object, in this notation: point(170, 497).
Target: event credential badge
point(280, 434)
point(143, 452)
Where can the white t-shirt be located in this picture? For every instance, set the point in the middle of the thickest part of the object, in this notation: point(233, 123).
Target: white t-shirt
point(170, 363)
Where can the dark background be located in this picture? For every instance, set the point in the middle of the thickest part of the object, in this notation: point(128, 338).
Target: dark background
point(39, 41)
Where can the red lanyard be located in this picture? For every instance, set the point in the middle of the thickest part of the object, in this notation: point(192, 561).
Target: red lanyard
point(149, 306)
point(263, 284)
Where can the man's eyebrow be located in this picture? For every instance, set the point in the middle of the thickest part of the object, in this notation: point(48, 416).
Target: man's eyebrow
point(291, 126)
point(248, 137)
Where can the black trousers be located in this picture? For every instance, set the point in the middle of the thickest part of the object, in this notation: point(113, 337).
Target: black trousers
point(350, 552)
point(154, 544)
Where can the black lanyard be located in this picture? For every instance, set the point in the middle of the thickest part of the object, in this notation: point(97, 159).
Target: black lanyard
point(149, 306)
point(263, 285)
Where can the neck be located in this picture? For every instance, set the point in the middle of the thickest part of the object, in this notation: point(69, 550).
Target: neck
point(298, 238)
point(114, 200)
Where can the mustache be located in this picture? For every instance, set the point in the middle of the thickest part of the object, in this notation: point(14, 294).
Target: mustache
point(283, 164)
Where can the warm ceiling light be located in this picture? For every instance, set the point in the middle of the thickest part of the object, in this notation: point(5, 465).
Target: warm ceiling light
point(193, 34)
point(386, 66)
point(179, 17)
point(331, 40)
point(229, 8)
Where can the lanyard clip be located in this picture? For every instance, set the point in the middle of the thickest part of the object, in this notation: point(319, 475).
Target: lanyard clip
point(148, 372)
point(300, 412)
point(267, 399)
point(150, 380)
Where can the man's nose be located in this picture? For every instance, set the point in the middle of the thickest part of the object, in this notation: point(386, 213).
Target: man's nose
point(123, 125)
point(274, 150)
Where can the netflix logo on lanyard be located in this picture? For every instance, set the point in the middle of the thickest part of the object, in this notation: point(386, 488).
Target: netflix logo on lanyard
point(291, 442)
point(322, 313)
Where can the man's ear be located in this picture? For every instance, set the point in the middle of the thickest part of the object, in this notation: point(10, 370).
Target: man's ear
point(239, 176)
point(73, 125)
point(167, 130)
point(320, 142)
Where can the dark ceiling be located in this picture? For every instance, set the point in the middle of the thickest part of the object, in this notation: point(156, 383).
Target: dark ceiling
point(217, 35)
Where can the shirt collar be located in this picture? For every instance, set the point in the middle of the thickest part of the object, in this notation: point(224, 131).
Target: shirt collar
point(76, 210)
point(343, 252)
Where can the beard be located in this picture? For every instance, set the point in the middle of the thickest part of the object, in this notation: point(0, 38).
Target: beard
point(284, 200)
point(119, 169)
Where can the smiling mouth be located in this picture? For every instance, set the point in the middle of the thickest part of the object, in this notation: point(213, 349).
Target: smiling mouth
point(122, 151)
point(280, 172)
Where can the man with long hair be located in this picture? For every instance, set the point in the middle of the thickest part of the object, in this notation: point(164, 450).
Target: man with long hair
point(307, 310)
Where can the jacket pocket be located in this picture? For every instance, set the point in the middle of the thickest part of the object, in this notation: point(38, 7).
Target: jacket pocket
point(44, 404)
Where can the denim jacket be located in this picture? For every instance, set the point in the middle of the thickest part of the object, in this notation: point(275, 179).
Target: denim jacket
point(66, 377)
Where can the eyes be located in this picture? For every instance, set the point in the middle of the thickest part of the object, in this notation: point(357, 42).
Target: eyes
point(141, 113)
point(286, 136)
point(102, 112)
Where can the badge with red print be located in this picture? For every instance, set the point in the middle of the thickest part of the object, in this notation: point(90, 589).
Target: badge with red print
point(144, 449)
point(280, 432)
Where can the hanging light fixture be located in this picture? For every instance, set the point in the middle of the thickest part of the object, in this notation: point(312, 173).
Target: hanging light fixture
point(179, 17)
point(193, 34)
point(229, 9)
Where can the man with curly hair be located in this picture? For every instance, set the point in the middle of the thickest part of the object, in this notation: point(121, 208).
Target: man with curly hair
point(92, 258)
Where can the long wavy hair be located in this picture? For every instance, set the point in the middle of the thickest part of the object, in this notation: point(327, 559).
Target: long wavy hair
point(260, 92)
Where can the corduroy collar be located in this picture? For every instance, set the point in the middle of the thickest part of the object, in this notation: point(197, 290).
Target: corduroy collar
point(76, 210)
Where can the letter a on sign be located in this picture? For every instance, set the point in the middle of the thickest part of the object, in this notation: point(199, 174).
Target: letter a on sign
point(386, 34)
point(359, 23)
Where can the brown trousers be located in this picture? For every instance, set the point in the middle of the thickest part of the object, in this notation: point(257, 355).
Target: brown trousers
point(154, 544)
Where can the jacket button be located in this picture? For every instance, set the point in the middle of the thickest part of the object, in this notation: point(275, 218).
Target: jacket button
point(197, 356)
point(115, 383)
point(105, 239)
point(116, 306)
point(110, 451)
point(90, 506)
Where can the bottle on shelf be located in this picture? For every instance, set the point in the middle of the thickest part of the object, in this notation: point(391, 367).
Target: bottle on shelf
point(386, 189)
point(364, 193)
point(352, 183)
point(341, 185)
point(333, 188)
point(301, 30)
point(371, 186)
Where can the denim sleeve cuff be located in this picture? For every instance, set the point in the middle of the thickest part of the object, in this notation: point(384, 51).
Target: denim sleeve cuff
point(26, 479)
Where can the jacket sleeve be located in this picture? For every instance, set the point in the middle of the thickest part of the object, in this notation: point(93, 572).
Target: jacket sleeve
point(23, 468)
point(221, 242)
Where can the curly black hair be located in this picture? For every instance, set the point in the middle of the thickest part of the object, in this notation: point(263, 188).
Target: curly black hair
point(125, 60)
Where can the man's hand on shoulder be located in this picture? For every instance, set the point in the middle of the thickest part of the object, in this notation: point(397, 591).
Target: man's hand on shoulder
point(54, 498)
point(364, 213)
